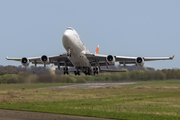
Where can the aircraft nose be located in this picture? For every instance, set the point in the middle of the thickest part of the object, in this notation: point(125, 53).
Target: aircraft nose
point(66, 36)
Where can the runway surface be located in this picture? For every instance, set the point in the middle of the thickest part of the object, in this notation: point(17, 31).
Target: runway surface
point(24, 115)
point(89, 85)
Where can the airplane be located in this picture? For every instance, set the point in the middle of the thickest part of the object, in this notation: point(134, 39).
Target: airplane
point(78, 56)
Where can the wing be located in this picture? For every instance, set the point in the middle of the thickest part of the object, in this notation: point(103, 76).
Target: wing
point(19, 59)
point(15, 59)
point(132, 60)
point(101, 59)
point(61, 59)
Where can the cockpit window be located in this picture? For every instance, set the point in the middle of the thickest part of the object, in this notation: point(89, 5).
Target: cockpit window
point(69, 28)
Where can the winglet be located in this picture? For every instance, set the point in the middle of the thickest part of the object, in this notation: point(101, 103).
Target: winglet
point(6, 57)
point(172, 57)
point(97, 50)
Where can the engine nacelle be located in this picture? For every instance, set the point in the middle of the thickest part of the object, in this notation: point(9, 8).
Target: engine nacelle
point(25, 61)
point(110, 59)
point(140, 61)
point(45, 59)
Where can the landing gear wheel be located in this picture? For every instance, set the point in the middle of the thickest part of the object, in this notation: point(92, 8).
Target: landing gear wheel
point(85, 73)
point(75, 73)
point(66, 71)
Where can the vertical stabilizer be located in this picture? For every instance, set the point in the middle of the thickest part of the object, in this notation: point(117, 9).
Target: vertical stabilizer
point(97, 50)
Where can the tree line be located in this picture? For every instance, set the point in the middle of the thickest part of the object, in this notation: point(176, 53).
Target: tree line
point(13, 74)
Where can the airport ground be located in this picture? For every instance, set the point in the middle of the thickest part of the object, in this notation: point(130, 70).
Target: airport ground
point(142, 100)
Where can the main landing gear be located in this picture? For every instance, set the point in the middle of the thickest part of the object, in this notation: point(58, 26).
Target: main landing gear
point(96, 71)
point(77, 72)
point(87, 72)
point(66, 71)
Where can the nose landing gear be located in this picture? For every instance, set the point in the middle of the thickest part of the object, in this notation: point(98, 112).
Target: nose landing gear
point(68, 53)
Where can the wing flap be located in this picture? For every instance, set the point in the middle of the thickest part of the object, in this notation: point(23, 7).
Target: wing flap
point(96, 57)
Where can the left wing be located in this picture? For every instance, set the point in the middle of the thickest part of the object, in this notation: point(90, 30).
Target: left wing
point(110, 60)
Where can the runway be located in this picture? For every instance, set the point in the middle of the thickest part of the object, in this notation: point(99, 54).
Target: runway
point(89, 85)
point(23, 115)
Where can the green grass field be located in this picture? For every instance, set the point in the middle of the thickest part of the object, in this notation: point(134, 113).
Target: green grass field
point(157, 100)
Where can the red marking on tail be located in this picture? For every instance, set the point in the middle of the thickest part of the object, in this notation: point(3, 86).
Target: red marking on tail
point(97, 50)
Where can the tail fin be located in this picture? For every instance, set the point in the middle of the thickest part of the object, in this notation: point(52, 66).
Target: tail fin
point(97, 50)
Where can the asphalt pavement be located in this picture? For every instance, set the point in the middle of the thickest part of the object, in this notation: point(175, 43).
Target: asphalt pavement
point(89, 85)
point(24, 115)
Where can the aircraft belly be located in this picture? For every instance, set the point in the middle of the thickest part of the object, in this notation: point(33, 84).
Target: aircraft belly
point(79, 61)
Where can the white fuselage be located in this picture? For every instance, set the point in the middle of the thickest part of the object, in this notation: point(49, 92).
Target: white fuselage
point(73, 45)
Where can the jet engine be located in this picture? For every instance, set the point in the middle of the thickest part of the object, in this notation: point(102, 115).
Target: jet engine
point(140, 61)
point(110, 59)
point(45, 59)
point(25, 61)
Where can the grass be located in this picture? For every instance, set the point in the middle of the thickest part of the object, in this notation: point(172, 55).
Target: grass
point(146, 100)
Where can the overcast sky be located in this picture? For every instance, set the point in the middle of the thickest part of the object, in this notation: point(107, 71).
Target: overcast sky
point(121, 27)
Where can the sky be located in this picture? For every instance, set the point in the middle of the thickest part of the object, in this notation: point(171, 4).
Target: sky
point(136, 28)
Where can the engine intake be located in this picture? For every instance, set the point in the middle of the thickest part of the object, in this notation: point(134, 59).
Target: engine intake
point(140, 61)
point(110, 59)
point(25, 61)
point(45, 59)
